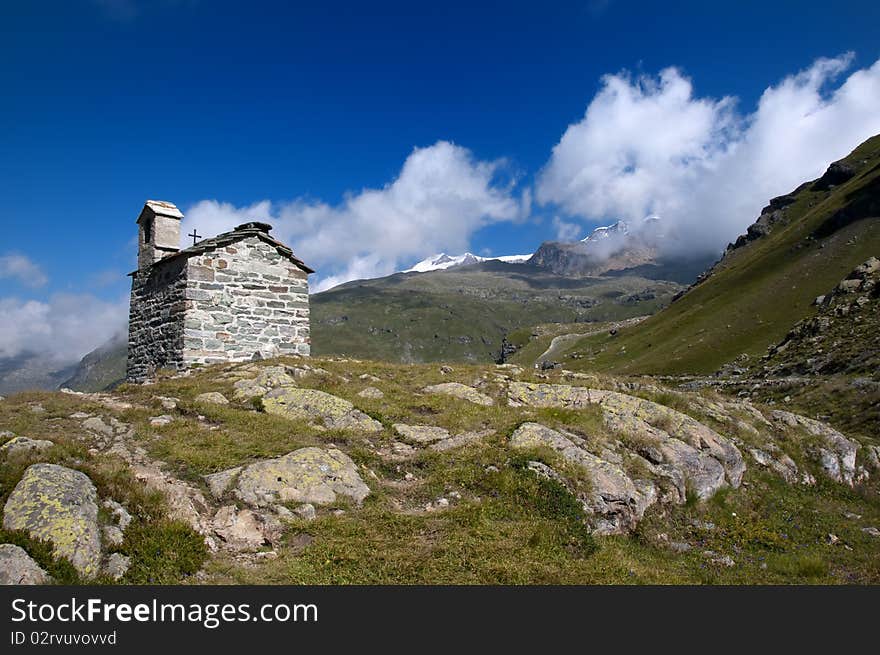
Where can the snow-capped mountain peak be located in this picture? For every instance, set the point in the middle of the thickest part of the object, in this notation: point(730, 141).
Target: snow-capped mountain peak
point(443, 261)
point(619, 228)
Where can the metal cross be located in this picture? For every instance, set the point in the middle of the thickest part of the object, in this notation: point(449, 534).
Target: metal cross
point(195, 236)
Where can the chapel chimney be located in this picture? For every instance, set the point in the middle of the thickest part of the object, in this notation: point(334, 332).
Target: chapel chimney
point(158, 233)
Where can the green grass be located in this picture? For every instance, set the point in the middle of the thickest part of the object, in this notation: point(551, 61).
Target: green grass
point(463, 314)
point(755, 295)
point(505, 524)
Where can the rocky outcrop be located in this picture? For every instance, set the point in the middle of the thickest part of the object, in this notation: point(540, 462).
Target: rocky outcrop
point(836, 454)
point(17, 567)
point(666, 436)
point(267, 377)
point(614, 499)
point(841, 337)
point(308, 475)
point(458, 390)
point(336, 413)
point(59, 505)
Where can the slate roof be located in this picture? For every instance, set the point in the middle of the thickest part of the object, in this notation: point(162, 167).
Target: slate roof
point(253, 229)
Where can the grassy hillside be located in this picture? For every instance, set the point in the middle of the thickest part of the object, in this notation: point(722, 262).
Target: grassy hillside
point(759, 290)
point(481, 512)
point(462, 314)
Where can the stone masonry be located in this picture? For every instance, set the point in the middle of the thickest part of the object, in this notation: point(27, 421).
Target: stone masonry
point(237, 296)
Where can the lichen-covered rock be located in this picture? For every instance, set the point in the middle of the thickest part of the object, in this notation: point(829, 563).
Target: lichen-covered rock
point(308, 475)
point(59, 505)
point(218, 483)
point(458, 390)
point(421, 433)
point(23, 445)
point(837, 455)
point(336, 413)
point(212, 397)
point(17, 567)
point(617, 502)
point(641, 418)
point(268, 377)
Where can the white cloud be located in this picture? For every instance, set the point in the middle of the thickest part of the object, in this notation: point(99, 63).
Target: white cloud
point(65, 328)
point(566, 231)
point(21, 268)
point(441, 196)
point(651, 146)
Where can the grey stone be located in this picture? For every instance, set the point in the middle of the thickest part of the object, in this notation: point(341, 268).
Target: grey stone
point(308, 475)
point(18, 568)
point(462, 391)
point(336, 413)
point(459, 440)
point(219, 483)
point(420, 433)
point(21, 445)
point(97, 425)
point(112, 535)
point(371, 392)
point(212, 397)
point(59, 505)
point(306, 512)
point(117, 566)
point(617, 502)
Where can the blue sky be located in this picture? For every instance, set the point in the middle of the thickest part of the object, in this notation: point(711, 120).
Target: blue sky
point(218, 106)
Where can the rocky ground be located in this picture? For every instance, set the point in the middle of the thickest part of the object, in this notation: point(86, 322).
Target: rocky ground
point(341, 471)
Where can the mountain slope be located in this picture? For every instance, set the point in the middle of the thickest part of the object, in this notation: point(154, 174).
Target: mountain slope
point(102, 368)
point(802, 245)
point(462, 314)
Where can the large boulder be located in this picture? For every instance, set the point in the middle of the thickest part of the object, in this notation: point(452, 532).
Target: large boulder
point(336, 413)
point(308, 475)
point(59, 505)
point(17, 567)
point(458, 390)
point(617, 502)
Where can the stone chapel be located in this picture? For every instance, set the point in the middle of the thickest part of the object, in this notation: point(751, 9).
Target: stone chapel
point(238, 296)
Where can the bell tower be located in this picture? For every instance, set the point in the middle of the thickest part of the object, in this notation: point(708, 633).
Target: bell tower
point(159, 232)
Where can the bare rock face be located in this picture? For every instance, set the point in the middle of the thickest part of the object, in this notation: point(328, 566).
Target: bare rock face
point(17, 567)
point(458, 390)
point(669, 436)
point(836, 455)
point(617, 502)
point(21, 445)
point(308, 475)
point(336, 413)
point(59, 505)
